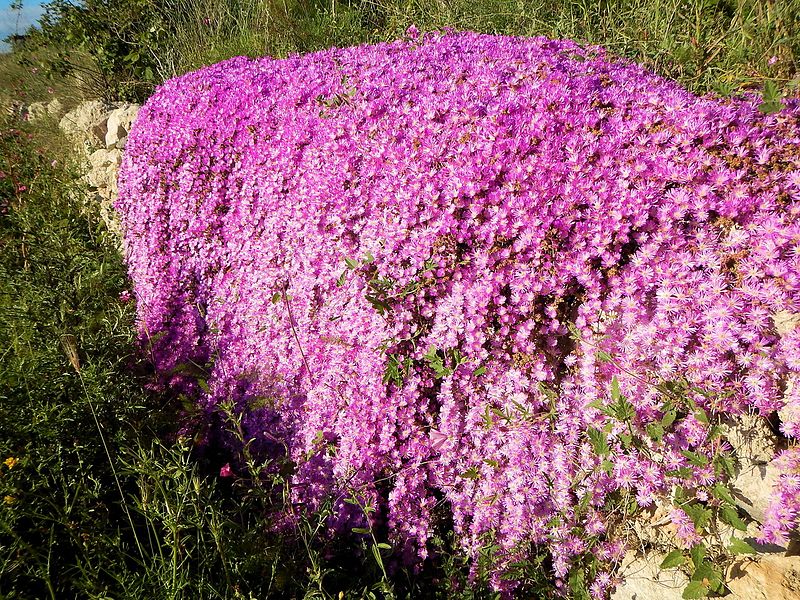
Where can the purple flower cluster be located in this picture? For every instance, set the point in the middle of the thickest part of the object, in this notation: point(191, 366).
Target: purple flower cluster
point(469, 271)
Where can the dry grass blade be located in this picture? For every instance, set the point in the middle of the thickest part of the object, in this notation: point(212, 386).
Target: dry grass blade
point(70, 345)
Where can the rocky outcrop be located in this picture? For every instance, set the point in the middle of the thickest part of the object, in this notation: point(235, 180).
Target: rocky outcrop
point(761, 577)
point(119, 124)
point(644, 580)
point(86, 124)
point(99, 131)
point(765, 577)
point(38, 111)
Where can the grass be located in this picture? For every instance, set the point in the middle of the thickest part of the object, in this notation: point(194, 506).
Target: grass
point(101, 496)
point(708, 45)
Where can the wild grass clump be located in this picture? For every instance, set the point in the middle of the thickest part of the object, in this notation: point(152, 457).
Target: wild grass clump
point(123, 49)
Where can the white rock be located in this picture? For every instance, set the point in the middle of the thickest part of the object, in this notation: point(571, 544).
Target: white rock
point(103, 171)
point(753, 486)
point(55, 110)
point(642, 579)
point(765, 577)
point(785, 321)
point(752, 438)
point(87, 122)
point(36, 111)
point(119, 124)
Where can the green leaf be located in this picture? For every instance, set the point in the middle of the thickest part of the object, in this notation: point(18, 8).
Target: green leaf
point(377, 554)
point(701, 416)
point(203, 385)
point(606, 410)
point(695, 589)
point(673, 559)
point(771, 92)
point(738, 546)
point(698, 554)
point(384, 546)
point(488, 419)
point(707, 574)
point(699, 515)
point(723, 462)
point(721, 492)
point(624, 410)
point(379, 305)
point(577, 584)
point(607, 466)
point(768, 108)
point(695, 458)
point(360, 530)
point(655, 431)
point(479, 371)
point(471, 473)
point(351, 264)
point(682, 472)
point(615, 394)
point(668, 418)
point(731, 516)
point(276, 297)
point(599, 441)
point(603, 356)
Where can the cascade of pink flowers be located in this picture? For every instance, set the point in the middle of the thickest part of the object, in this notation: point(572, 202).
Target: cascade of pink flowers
point(418, 265)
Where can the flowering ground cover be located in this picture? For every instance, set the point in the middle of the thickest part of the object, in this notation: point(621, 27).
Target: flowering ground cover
point(515, 281)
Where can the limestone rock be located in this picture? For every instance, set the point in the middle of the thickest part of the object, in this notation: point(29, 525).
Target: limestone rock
point(752, 439)
point(785, 322)
point(119, 125)
point(36, 111)
point(642, 579)
point(766, 577)
point(103, 169)
point(87, 124)
point(752, 488)
point(55, 109)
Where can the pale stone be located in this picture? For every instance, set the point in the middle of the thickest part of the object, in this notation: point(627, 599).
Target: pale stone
point(103, 170)
point(765, 577)
point(119, 124)
point(55, 109)
point(87, 123)
point(36, 111)
point(785, 322)
point(752, 438)
point(643, 579)
point(752, 488)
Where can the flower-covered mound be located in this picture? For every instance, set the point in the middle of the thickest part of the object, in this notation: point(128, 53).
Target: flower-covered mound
point(510, 278)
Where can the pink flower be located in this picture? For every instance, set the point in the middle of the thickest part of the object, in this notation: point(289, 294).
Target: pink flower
point(125, 296)
point(226, 470)
point(22, 188)
point(437, 439)
point(772, 60)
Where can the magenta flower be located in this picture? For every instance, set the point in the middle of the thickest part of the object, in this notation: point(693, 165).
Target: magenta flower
point(418, 267)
